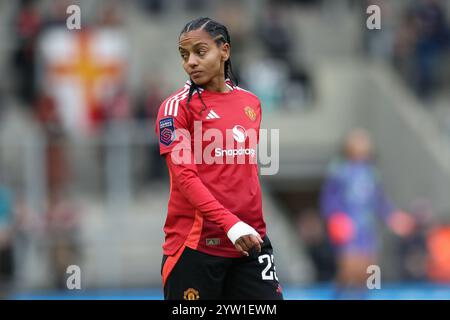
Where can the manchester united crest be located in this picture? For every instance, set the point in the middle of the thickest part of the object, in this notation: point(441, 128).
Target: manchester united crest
point(250, 113)
point(191, 294)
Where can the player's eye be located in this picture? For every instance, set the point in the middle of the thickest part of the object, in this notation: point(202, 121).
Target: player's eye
point(201, 53)
point(183, 55)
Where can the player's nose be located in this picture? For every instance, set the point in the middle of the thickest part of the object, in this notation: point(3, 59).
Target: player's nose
point(192, 61)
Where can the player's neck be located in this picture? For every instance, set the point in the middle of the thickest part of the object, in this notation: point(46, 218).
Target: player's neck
point(217, 85)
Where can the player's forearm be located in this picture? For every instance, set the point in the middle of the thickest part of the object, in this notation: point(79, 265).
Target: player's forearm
point(185, 177)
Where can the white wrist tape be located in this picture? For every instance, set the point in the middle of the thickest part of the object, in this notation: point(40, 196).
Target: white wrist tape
point(240, 229)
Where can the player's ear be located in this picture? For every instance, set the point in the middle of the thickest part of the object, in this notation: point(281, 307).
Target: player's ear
point(225, 51)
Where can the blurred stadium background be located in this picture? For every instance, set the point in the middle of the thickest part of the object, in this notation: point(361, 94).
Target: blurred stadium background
point(81, 181)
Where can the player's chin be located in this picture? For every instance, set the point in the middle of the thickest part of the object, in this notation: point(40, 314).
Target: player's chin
point(200, 80)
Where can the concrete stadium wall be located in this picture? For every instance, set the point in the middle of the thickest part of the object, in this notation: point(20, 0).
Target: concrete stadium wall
point(413, 154)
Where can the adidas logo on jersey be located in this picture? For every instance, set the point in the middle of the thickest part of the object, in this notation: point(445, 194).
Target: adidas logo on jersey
point(212, 115)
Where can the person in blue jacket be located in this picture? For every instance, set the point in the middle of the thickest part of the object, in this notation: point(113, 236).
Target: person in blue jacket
point(352, 199)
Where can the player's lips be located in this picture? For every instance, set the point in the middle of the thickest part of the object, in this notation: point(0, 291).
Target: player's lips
point(195, 74)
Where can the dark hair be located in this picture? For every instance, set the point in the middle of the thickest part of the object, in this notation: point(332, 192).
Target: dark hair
point(220, 35)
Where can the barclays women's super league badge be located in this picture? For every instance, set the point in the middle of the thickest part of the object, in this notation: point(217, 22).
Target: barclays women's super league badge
point(166, 131)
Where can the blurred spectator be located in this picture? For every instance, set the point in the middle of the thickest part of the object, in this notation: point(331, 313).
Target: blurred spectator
point(110, 15)
point(278, 84)
point(62, 229)
point(196, 5)
point(438, 245)
point(432, 41)
point(351, 199)
point(27, 26)
point(404, 43)
point(422, 41)
point(274, 34)
point(413, 252)
point(278, 78)
point(6, 240)
point(299, 91)
point(152, 97)
point(155, 7)
point(313, 233)
point(57, 164)
point(267, 78)
point(57, 15)
point(235, 17)
point(61, 216)
point(116, 104)
point(147, 110)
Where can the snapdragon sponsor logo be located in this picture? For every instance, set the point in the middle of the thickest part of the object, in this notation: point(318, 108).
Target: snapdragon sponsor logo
point(239, 135)
point(239, 146)
point(234, 152)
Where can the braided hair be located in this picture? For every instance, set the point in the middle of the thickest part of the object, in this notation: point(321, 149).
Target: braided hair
point(220, 35)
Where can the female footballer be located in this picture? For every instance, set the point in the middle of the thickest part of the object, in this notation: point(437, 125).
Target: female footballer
point(216, 245)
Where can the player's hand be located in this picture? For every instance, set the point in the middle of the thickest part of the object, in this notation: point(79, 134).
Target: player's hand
point(402, 224)
point(245, 243)
point(341, 228)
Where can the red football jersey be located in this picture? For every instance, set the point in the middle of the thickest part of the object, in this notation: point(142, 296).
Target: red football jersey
point(221, 140)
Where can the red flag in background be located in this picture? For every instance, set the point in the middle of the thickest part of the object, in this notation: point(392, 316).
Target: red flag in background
point(79, 69)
